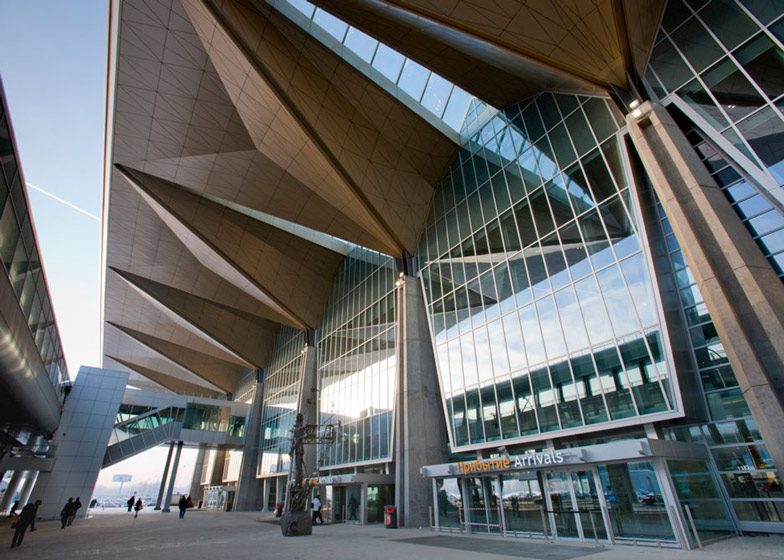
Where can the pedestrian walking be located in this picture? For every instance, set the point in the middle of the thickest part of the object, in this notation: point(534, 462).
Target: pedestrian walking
point(65, 514)
point(130, 503)
point(26, 519)
point(137, 508)
point(74, 508)
point(183, 505)
point(316, 505)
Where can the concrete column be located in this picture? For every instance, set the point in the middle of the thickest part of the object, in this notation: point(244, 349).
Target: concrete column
point(172, 478)
point(249, 494)
point(308, 400)
point(11, 490)
point(742, 292)
point(27, 489)
point(216, 477)
point(308, 407)
point(195, 491)
point(420, 425)
point(163, 478)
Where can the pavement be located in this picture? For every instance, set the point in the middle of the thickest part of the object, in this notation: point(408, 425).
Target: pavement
point(208, 535)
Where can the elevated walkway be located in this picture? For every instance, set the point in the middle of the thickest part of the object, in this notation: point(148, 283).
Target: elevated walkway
point(148, 419)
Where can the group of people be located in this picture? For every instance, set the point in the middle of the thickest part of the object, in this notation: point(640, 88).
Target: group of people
point(134, 505)
point(68, 513)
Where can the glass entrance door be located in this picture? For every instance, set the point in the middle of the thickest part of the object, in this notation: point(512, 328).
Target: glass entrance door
point(563, 516)
point(588, 505)
point(574, 505)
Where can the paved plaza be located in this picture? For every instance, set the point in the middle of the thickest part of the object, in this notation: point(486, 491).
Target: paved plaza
point(211, 535)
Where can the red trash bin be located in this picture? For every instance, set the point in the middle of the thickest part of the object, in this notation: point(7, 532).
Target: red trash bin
point(390, 517)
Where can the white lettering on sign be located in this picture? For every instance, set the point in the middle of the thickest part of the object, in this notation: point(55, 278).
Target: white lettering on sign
point(517, 462)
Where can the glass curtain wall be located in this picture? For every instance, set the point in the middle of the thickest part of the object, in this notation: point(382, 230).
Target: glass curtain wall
point(450, 502)
point(282, 388)
point(696, 490)
point(536, 286)
point(21, 260)
point(634, 502)
point(357, 360)
point(749, 476)
point(725, 59)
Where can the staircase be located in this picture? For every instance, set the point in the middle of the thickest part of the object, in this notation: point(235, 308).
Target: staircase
point(143, 432)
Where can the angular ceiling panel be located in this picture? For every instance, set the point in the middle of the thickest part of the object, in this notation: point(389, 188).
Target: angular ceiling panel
point(213, 370)
point(168, 381)
point(316, 103)
point(247, 335)
point(294, 275)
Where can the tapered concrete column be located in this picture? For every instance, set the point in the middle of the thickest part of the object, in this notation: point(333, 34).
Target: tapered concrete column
point(742, 292)
point(216, 476)
point(27, 489)
point(198, 469)
point(308, 401)
point(11, 490)
point(173, 478)
point(249, 488)
point(163, 478)
point(419, 417)
point(308, 407)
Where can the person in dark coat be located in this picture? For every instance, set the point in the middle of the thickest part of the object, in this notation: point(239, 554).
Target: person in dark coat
point(26, 519)
point(130, 503)
point(65, 515)
point(183, 505)
point(74, 508)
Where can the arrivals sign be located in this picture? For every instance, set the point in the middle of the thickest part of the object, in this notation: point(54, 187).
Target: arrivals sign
point(550, 458)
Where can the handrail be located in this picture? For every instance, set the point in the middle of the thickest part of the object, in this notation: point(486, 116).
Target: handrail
point(145, 415)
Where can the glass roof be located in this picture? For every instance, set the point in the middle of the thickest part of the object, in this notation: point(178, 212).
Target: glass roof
point(438, 96)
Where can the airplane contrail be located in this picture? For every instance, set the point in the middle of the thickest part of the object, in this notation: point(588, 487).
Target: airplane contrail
point(58, 199)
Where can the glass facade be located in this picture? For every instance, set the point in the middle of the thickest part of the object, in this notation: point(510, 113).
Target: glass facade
point(634, 502)
point(438, 96)
point(725, 60)
point(544, 314)
point(357, 360)
point(211, 418)
point(281, 397)
point(538, 292)
point(750, 478)
point(21, 260)
point(133, 420)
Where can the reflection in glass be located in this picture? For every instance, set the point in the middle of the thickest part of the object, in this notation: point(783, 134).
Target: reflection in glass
point(521, 495)
point(696, 488)
point(449, 502)
point(562, 510)
point(529, 283)
point(635, 501)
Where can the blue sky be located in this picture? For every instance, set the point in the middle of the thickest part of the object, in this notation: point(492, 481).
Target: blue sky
point(53, 65)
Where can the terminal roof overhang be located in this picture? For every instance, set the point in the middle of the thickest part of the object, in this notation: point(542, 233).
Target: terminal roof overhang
point(503, 51)
point(233, 130)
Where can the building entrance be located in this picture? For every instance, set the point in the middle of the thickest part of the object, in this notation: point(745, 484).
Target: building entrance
point(575, 508)
point(651, 491)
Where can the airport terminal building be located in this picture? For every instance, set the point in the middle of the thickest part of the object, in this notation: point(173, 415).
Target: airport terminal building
point(520, 261)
